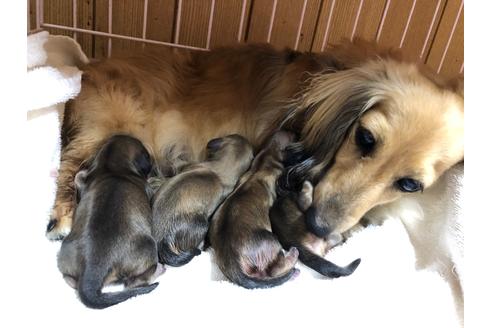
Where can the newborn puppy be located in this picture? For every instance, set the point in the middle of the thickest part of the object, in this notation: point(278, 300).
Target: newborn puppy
point(184, 203)
point(246, 251)
point(288, 223)
point(111, 239)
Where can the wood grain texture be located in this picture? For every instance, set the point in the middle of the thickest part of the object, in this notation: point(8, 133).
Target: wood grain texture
point(127, 20)
point(85, 20)
point(58, 12)
point(324, 25)
point(160, 21)
point(369, 19)
point(195, 15)
point(31, 15)
point(421, 24)
point(287, 21)
point(100, 48)
point(443, 34)
point(261, 12)
point(453, 60)
point(226, 22)
point(309, 24)
point(343, 21)
point(423, 28)
point(393, 27)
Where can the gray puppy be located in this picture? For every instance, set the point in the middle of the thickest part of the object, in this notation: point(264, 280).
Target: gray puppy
point(246, 250)
point(111, 239)
point(184, 203)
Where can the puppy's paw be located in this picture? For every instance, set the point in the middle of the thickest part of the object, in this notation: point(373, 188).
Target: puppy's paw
point(60, 222)
point(305, 196)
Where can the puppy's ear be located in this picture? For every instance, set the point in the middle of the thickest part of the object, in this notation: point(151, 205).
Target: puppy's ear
point(283, 138)
point(80, 183)
point(143, 163)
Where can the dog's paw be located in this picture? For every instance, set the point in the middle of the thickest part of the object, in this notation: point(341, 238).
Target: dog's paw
point(60, 223)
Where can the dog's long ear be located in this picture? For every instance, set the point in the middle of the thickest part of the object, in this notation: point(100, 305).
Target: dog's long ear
point(329, 107)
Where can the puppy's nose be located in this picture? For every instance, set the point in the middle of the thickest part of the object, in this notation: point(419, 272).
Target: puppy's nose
point(314, 224)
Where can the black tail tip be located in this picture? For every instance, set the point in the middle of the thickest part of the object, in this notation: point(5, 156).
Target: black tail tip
point(353, 266)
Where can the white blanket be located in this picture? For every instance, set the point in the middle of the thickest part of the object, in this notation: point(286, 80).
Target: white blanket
point(387, 290)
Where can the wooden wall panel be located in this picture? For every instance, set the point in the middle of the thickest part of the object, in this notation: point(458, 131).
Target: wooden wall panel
point(323, 26)
point(58, 12)
point(426, 30)
point(227, 21)
point(31, 15)
point(127, 20)
point(85, 20)
point(287, 22)
point(343, 21)
point(261, 13)
point(195, 15)
point(369, 19)
point(446, 52)
point(393, 24)
point(308, 29)
point(422, 26)
point(160, 21)
point(100, 48)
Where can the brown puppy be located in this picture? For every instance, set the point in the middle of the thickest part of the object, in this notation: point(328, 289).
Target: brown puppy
point(289, 225)
point(246, 251)
point(183, 204)
point(111, 238)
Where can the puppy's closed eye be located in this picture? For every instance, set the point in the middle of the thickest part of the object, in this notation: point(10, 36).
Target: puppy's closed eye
point(214, 144)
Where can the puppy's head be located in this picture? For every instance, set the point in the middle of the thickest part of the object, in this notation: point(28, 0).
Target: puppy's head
point(124, 154)
point(232, 151)
point(373, 134)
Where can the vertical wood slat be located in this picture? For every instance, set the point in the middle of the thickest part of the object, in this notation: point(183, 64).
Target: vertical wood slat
point(85, 20)
point(31, 15)
point(369, 20)
point(58, 12)
point(100, 44)
point(446, 52)
point(195, 16)
point(393, 26)
point(421, 26)
point(127, 20)
point(226, 27)
point(285, 29)
point(160, 21)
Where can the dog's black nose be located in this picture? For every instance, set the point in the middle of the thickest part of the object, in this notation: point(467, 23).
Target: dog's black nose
point(314, 225)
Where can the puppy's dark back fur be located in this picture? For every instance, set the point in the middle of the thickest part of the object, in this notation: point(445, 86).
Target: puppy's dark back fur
point(111, 235)
point(241, 228)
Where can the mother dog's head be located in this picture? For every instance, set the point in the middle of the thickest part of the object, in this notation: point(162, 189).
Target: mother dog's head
point(370, 135)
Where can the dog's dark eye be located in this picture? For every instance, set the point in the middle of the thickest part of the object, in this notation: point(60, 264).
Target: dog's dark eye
point(409, 185)
point(365, 140)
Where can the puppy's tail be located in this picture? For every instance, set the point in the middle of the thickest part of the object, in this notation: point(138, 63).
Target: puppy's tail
point(90, 286)
point(167, 256)
point(324, 267)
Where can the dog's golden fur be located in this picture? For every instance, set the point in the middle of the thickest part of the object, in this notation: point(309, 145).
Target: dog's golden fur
point(181, 98)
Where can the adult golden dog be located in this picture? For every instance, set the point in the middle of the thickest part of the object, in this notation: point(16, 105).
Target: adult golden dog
point(371, 127)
